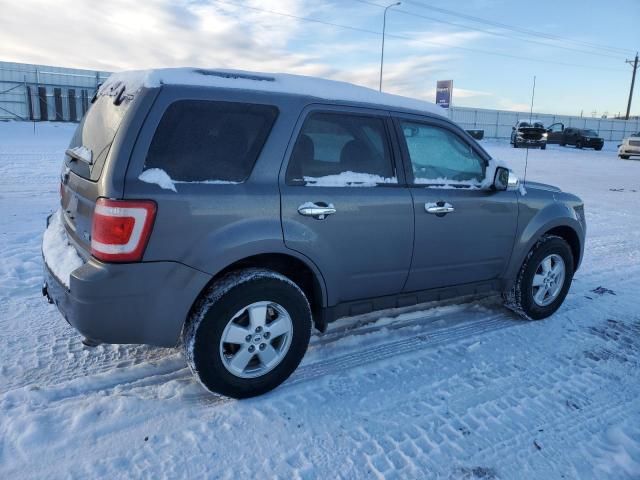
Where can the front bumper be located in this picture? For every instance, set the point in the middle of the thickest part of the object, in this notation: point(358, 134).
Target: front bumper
point(629, 151)
point(593, 144)
point(127, 303)
point(530, 143)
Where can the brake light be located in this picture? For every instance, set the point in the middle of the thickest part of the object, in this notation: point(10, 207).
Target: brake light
point(121, 229)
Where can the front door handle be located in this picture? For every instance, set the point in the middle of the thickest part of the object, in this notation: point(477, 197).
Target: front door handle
point(440, 209)
point(318, 210)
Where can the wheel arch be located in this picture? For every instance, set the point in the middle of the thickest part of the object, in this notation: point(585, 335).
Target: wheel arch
point(563, 226)
point(571, 237)
point(301, 272)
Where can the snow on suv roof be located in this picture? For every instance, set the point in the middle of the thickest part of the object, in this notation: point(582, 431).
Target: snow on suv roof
point(269, 82)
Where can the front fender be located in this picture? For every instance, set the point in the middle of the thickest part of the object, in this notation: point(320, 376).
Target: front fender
point(533, 223)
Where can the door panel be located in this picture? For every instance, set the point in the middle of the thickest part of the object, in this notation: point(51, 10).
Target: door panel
point(363, 248)
point(555, 133)
point(471, 244)
point(474, 241)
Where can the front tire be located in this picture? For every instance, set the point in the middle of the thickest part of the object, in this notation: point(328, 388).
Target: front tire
point(544, 279)
point(248, 333)
point(543, 147)
point(624, 157)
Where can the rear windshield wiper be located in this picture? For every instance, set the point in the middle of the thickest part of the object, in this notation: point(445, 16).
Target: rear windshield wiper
point(80, 153)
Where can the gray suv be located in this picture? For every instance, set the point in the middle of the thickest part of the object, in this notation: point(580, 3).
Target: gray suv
point(232, 212)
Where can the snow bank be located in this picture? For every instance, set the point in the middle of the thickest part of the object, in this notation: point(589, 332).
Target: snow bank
point(61, 257)
point(348, 179)
point(267, 82)
point(158, 177)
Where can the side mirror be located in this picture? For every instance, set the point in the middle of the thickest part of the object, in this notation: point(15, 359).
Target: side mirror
point(514, 181)
point(501, 179)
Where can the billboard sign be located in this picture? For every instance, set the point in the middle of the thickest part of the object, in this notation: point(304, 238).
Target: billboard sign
point(444, 90)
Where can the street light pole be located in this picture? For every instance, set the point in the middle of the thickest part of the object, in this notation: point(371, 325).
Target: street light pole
point(384, 26)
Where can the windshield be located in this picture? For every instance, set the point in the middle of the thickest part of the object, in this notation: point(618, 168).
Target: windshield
point(95, 133)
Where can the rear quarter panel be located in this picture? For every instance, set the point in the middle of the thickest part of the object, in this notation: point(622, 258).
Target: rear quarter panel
point(210, 226)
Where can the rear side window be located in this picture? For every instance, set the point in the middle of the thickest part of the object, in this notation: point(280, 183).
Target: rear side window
point(340, 150)
point(207, 141)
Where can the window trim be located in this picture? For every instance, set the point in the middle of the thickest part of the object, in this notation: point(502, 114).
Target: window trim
point(435, 123)
point(384, 115)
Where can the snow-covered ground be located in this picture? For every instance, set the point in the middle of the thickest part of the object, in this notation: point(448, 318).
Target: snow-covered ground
point(463, 390)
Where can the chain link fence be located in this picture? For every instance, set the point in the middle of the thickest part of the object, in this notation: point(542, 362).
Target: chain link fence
point(499, 123)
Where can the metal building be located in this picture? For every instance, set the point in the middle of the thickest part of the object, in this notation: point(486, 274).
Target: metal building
point(41, 92)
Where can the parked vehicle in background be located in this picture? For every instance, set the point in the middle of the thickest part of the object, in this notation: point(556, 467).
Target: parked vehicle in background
point(578, 137)
point(529, 135)
point(630, 147)
point(555, 133)
point(231, 211)
point(476, 133)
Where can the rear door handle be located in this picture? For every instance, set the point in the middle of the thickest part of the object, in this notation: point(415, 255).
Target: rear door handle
point(440, 209)
point(318, 210)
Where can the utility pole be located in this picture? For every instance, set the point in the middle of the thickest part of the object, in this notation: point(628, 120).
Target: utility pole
point(634, 63)
point(384, 26)
point(533, 94)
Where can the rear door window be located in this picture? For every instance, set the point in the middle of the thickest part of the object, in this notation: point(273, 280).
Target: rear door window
point(339, 149)
point(198, 141)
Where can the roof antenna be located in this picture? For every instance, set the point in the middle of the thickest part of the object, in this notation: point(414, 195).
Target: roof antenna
point(526, 158)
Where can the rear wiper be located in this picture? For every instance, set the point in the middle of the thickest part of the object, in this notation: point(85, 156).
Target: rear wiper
point(80, 153)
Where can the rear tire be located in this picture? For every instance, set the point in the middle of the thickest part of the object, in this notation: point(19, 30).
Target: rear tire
point(543, 147)
point(248, 333)
point(598, 149)
point(579, 145)
point(624, 157)
point(543, 280)
point(563, 144)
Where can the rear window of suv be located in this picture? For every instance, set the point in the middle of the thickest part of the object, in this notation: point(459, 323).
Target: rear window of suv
point(96, 132)
point(199, 141)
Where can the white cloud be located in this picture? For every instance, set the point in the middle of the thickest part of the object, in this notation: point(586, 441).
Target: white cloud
point(119, 34)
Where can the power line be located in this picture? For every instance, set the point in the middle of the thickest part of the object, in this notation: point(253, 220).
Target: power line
point(518, 29)
point(490, 32)
point(404, 37)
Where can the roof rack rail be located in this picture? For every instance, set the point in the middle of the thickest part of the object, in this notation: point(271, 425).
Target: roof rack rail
point(235, 75)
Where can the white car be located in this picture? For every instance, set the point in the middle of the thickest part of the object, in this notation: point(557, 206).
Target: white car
point(630, 147)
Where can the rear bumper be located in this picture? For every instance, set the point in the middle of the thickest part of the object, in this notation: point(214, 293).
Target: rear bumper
point(127, 303)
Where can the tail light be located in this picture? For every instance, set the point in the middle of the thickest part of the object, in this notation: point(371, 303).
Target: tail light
point(121, 229)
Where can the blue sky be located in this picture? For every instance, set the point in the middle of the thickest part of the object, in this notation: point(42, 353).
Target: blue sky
point(273, 36)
